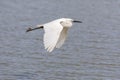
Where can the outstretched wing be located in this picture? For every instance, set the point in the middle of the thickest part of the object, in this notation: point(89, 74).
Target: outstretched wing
point(62, 37)
point(52, 34)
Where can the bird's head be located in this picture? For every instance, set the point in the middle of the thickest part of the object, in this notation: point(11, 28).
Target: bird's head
point(67, 22)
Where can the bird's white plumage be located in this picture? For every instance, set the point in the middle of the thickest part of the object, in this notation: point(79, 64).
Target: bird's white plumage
point(51, 36)
point(55, 32)
point(62, 37)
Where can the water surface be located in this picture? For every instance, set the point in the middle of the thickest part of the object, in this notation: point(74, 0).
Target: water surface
point(91, 52)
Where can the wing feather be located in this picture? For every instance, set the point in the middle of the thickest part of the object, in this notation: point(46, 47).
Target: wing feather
point(51, 36)
point(62, 37)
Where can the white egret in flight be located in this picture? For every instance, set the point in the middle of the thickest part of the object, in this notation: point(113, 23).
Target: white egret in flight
point(55, 32)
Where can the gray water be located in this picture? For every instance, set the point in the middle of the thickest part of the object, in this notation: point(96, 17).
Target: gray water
point(91, 51)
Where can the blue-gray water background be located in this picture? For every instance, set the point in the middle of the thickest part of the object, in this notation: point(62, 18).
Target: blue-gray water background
point(91, 51)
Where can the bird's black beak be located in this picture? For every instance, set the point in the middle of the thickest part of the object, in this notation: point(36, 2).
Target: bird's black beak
point(77, 21)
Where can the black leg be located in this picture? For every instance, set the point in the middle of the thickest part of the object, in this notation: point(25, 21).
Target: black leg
point(30, 29)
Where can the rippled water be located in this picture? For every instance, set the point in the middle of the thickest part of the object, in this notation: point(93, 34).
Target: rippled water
point(91, 52)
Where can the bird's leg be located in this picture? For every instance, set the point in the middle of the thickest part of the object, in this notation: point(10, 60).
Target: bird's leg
point(31, 29)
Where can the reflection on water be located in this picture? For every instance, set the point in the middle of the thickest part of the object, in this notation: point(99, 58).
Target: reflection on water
point(91, 52)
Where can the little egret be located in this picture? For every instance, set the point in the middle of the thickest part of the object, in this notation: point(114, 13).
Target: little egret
point(55, 32)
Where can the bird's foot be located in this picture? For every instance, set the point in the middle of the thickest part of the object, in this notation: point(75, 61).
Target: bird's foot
point(29, 29)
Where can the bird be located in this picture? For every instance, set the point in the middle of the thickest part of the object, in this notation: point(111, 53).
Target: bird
point(55, 32)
